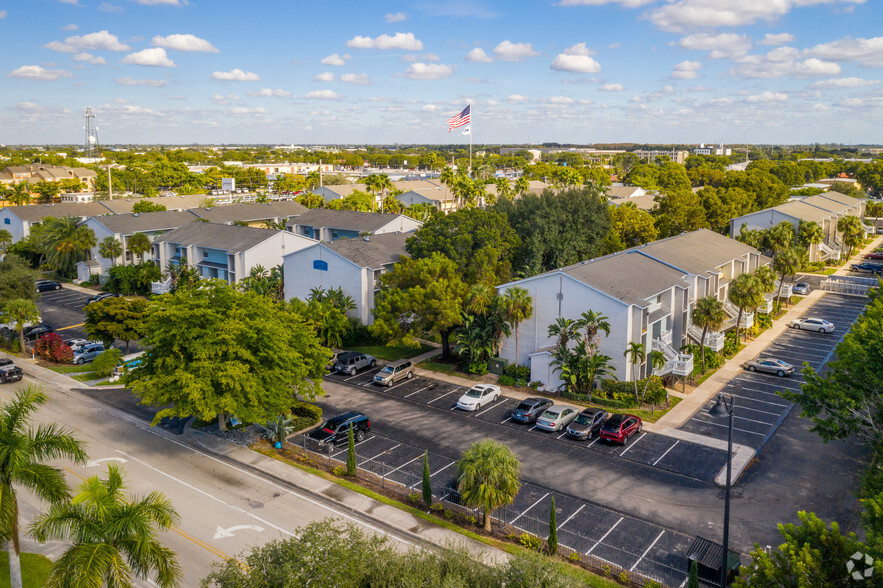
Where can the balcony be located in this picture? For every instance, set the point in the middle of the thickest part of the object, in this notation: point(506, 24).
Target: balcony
point(826, 252)
point(679, 364)
point(733, 311)
point(714, 340)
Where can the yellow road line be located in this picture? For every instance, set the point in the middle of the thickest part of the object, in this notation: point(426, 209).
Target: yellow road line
point(70, 327)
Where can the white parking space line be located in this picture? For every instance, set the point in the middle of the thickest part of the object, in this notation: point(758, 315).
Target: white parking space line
point(443, 395)
point(603, 537)
point(666, 453)
point(741, 418)
point(379, 454)
point(356, 445)
point(411, 461)
point(421, 390)
point(734, 428)
point(358, 374)
point(582, 506)
point(532, 428)
point(441, 469)
point(759, 391)
point(509, 418)
point(658, 537)
point(562, 434)
point(493, 405)
point(524, 512)
point(743, 407)
point(598, 438)
point(632, 445)
point(750, 399)
point(394, 386)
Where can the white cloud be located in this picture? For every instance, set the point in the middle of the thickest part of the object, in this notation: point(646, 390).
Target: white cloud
point(335, 60)
point(577, 59)
point(395, 17)
point(405, 41)
point(779, 64)
point(767, 98)
point(236, 75)
point(837, 83)
point(30, 112)
point(132, 82)
point(508, 51)
point(429, 108)
point(559, 100)
point(611, 88)
point(777, 39)
point(324, 77)
point(72, 2)
point(478, 55)
point(158, 2)
point(516, 99)
point(70, 27)
point(225, 99)
point(322, 95)
point(686, 70)
point(867, 51)
point(35, 72)
point(269, 93)
point(108, 7)
point(429, 71)
point(721, 45)
point(100, 41)
point(88, 58)
point(625, 3)
point(357, 79)
point(154, 57)
point(2, 14)
point(185, 43)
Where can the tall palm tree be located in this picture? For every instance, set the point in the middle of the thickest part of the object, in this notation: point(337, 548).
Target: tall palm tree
point(517, 307)
point(23, 452)
point(20, 311)
point(110, 248)
point(488, 475)
point(504, 188)
point(767, 277)
point(810, 233)
point(21, 194)
point(522, 186)
point(447, 178)
point(377, 184)
point(66, 242)
point(745, 293)
point(139, 244)
point(708, 314)
point(113, 536)
point(786, 263)
point(780, 237)
point(597, 366)
point(564, 329)
point(852, 233)
point(481, 296)
point(636, 353)
point(593, 322)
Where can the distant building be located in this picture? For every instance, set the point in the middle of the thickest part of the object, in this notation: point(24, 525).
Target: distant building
point(330, 225)
point(712, 150)
point(36, 172)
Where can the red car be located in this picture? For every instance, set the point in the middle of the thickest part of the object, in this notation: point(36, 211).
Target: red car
point(875, 255)
point(620, 427)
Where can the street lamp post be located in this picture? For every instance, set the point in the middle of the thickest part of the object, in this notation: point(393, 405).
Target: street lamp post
point(722, 408)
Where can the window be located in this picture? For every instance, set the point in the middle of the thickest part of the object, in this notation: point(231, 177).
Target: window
point(6, 221)
point(204, 253)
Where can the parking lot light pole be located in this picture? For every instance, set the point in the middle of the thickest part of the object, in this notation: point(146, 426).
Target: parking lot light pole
point(722, 408)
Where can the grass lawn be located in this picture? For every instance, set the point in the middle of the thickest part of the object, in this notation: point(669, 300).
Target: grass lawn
point(71, 369)
point(87, 376)
point(35, 569)
point(446, 368)
point(657, 414)
point(391, 352)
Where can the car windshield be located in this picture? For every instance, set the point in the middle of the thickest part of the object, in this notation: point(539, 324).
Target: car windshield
point(330, 426)
point(524, 406)
point(583, 419)
point(386, 370)
point(474, 393)
point(550, 414)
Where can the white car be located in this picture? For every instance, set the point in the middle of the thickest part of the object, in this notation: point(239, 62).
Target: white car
point(478, 396)
point(812, 324)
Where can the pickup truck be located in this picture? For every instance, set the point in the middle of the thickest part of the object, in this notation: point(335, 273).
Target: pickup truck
point(10, 373)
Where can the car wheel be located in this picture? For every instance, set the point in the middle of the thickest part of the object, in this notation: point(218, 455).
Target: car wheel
point(352, 371)
point(410, 375)
point(797, 327)
point(359, 436)
point(751, 368)
point(373, 363)
point(589, 438)
point(822, 330)
point(640, 427)
point(58, 287)
point(79, 361)
point(780, 373)
point(389, 383)
point(625, 440)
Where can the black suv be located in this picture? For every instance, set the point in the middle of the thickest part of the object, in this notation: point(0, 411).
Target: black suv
point(334, 430)
point(530, 409)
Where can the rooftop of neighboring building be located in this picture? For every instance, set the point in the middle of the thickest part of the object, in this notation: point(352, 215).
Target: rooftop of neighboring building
point(37, 212)
point(233, 238)
point(124, 205)
point(372, 252)
point(350, 220)
point(696, 252)
point(251, 212)
point(143, 222)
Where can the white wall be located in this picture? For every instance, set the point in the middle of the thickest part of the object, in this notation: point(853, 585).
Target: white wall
point(16, 227)
point(101, 233)
point(402, 224)
point(760, 220)
point(269, 253)
point(300, 277)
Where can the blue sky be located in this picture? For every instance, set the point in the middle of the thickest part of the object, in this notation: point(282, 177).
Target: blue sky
point(305, 72)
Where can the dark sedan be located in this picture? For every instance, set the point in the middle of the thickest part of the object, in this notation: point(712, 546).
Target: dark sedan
point(878, 255)
point(47, 285)
point(587, 424)
point(530, 409)
point(101, 296)
point(35, 332)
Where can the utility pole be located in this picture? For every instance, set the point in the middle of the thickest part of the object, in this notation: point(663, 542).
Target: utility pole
point(109, 185)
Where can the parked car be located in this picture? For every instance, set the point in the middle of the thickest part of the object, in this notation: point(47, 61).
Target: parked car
point(334, 430)
point(34, 332)
point(88, 353)
point(873, 268)
point(619, 427)
point(10, 373)
point(801, 289)
point(332, 363)
point(350, 362)
point(478, 396)
point(587, 424)
point(47, 285)
point(75, 344)
point(394, 372)
point(101, 296)
point(529, 410)
point(812, 324)
point(769, 365)
point(557, 417)
point(878, 255)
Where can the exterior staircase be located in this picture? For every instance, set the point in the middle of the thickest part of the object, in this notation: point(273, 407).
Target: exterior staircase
point(163, 287)
point(733, 311)
point(679, 364)
point(714, 340)
point(826, 252)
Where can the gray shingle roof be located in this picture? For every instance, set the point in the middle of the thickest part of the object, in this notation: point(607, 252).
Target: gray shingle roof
point(250, 212)
point(627, 276)
point(375, 253)
point(124, 205)
point(803, 211)
point(696, 252)
point(37, 212)
point(349, 220)
point(217, 236)
point(129, 224)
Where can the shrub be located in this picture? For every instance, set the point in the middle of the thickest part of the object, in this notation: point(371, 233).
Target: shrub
point(414, 497)
point(535, 384)
point(304, 415)
point(339, 471)
point(574, 557)
point(624, 577)
point(449, 514)
point(471, 520)
point(517, 372)
point(359, 335)
point(764, 321)
point(104, 363)
point(437, 508)
point(731, 346)
point(15, 346)
point(530, 542)
point(52, 348)
point(605, 569)
point(478, 367)
point(506, 380)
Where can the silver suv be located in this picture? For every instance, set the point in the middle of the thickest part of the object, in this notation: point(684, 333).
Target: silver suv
point(393, 372)
point(88, 352)
point(351, 361)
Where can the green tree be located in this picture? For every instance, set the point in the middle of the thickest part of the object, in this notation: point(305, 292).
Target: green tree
point(139, 244)
point(517, 307)
point(17, 280)
point(378, 184)
point(5, 240)
point(279, 428)
point(594, 324)
point(420, 297)
point(522, 186)
point(350, 452)
point(852, 233)
point(488, 475)
point(20, 311)
point(66, 242)
point(148, 206)
point(427, 480)
point(787, 263)
point(679, 211)
point(20, 195)
point(564, 330)
point(216, 351)
point(708, 314)
point(809, 234)
point(106, 361)
point(116, 318)
point(629, 227)
point(693, 579)
point(636, 353)
point(110, 248)
point(113, 536)
point(780, 237)
point(745, 293)
point(23, 453)
point(504, 188)
point(552, 540)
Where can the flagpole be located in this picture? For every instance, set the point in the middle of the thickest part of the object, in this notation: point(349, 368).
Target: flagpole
point(470, 150)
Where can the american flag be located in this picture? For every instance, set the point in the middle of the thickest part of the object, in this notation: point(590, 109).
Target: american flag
point(458, 121)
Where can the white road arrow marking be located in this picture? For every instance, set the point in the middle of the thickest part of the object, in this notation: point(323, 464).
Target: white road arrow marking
point(97, 462)
point(229, 531)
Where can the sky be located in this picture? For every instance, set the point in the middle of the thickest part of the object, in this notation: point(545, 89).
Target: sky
point(344, 72)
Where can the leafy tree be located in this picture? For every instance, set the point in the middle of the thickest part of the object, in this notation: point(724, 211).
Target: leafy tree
point(488, 475)
point(148, 206)
point(106, 361)
point(779, 237)
point(565, 330)
point(420, 297)
point(517, 307)
point(5, 240)
point(427, 480)
point(46, 189)
point(852, 232)
point(629, 227)
point(552, 540)
point(679, 211)
point(23, 453)
point(594, 324)
point(139, 244)
point(215, 350)
point(66, 242)
point(746, 293)
point(20, 311)
point(17, 280)
point(787, 263)
point(52, 348)
point(636, 353)
point(20, 195)
point(113, 536)
point(378, 184)
point(809, 233)
point(116, 318)
point(350, 452)
point(265, 282)
point(110, 248)
point(708, 314)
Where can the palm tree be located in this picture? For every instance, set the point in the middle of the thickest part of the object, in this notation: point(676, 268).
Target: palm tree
point(22, 453)
point(21, 194)
point(708, 314)
point(636, 353)
point(488, 476)
point(5, 240)
point(66, 242)
point(377, 183)
point(517, 307)
point(447, 178)
point(786, 263)
point(809, 234)
point(780, 237)
point(564, 329)
point(113, 536)
point(481, 296)
point(767, 277)
point(110, 248)
point(139, 244)
point(522, 186)
point(504, 188)
point(593, 322)
point(596, 367)
point(21, 311)
point(745, 292)
point(656, 359)
point(851, 228)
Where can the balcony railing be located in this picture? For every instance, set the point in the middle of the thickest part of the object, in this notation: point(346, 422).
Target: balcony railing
point(733, 311)
point(680, 364)
point(714, 340)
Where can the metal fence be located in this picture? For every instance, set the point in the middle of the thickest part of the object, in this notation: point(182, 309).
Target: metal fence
point(851, 285)
point(601, 557)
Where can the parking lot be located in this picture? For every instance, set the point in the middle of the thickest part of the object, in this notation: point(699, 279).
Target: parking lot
point(63, 310)
point(657, 451)
point(759, 409)
point(592, 530)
